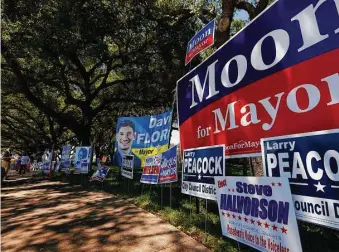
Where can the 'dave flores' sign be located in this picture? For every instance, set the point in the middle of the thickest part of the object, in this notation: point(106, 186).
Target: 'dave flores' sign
point(275, 77)
point(200, 167)
point(311, 163)
point(258, 212)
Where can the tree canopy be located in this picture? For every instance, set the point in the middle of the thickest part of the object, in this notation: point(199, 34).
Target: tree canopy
point(70, 68)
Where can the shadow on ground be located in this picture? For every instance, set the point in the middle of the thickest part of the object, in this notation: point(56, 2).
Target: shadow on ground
point(54, 216)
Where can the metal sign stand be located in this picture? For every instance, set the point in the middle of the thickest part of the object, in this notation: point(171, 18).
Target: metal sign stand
point(170, 195)
point(161, 186)
point(206, 222)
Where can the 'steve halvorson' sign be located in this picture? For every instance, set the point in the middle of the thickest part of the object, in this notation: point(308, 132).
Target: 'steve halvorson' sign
point(258, 212)
point(277, 76)
point(311, 162)
point(199, 168)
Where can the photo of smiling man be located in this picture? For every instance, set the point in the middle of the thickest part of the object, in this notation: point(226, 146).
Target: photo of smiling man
point(125, 136)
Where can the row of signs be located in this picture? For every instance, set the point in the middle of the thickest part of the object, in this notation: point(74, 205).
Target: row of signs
point(158, 169)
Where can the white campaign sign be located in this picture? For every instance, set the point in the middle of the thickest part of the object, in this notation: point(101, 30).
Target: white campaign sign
point(127, 166)
point(259, 212)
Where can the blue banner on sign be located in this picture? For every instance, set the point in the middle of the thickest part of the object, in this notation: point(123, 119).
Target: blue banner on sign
point(200, 166)
point(142, 137)
point(311, 162)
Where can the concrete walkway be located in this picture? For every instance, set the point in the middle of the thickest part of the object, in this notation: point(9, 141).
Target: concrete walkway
point(53, 216)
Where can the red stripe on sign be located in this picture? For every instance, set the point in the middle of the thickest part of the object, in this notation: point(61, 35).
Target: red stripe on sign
point(302, 98)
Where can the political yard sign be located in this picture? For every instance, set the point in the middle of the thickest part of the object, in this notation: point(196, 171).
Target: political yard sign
point(65, 157)
point(168, 167)
point(201, 41)
point(259, 212)
point(127, 166)
point(200, 167)
point(311, 163)
point(151, 170)
point(142, 137)
point(82, 159)
point(277, 76)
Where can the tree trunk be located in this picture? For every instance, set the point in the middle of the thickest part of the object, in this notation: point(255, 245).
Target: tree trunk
point(224, 24)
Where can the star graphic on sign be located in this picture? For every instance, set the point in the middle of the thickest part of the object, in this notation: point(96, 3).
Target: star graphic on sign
point(232, 190)
point(279, 184)
point(273, 184)
point(252, 221)
point(283, 230)
point(266, 225)
point(199, 177)
point(228, 215)
point(245, 219)
point(259, 223)
point(239, 217)
point(274, 227)
point(223, 214)
point(233, 216)
point(229, 190)
point(320, 187)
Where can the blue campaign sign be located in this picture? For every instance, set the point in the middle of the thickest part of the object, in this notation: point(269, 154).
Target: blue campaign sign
point(151, 170)
point(200, 166)
point(65, 157)
point(311, 162)
point(142, 137)
point(168, 167)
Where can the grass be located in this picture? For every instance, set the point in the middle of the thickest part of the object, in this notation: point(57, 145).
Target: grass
point(183, 212)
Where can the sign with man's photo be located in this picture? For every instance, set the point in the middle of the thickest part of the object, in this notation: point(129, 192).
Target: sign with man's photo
point(142, 137)
point(127, 165)
point(82, 159)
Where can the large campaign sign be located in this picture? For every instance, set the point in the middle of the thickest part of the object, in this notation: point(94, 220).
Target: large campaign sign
point(127, 166)
point(277, 76)
point(199, 168)
point(82, 159)
point(259, 212)
point(151, 170)
point(66, 157)
point(142, 137)
point(201, 41)
point(311, 163)
point(168, 167)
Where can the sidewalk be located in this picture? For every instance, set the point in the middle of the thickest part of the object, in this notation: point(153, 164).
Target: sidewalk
point(54, 216)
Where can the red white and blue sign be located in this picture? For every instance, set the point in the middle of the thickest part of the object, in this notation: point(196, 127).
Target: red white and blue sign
point(168, 167)
point(277, 76)
point(259, 212)
point(151, 170)
point(101, 172)
point(311, 163)
point(201, 41)
point(199, 167)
